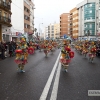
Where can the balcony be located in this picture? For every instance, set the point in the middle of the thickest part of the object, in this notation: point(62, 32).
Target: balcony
point(89, 20)
point(5, 21)
point(5, 6)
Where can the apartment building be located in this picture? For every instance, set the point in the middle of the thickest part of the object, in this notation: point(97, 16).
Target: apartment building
point(5, 18)
point(89, 19)
point(74, 23)
point(64, 24)
point(54, 31)
point(22, 19)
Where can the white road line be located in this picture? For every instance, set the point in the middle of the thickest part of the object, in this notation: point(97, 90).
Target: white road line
point(48, 84)
point(56, 84)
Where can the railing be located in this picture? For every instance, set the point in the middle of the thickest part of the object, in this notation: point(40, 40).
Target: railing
point(4, 19)
point(5, 5)
point(90, 20)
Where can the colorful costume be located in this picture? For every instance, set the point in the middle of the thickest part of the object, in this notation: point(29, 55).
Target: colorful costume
point(92, 52)
point(21, 54)
point(66, 55)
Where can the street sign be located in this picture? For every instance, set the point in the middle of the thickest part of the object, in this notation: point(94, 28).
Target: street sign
point(18, 34)
point(65, 36)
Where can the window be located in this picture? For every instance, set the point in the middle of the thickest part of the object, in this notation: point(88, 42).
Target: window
point(26, 17)
point(25, 25)
point(90, 5)
point(52, 34)
point(9, 16)
point(90, 11)
point(90, 31)
point(48, 27)
point(90, 25)
point(48, 31)
point(52, 27)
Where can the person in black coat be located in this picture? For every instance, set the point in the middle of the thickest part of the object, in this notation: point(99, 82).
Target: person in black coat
point(2, 50)
point(10, 49)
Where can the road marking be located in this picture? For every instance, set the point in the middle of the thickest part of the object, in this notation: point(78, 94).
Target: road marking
point(48, 84)
point(56, 84)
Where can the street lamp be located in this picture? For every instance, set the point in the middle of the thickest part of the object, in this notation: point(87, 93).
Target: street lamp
point(88, 34)
point(39, 28)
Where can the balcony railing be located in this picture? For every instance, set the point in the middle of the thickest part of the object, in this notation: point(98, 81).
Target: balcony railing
point(5, 5)
point(89, 20)
point(5, 20)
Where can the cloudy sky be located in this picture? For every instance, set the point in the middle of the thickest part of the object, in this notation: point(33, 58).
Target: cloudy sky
point(48, 11)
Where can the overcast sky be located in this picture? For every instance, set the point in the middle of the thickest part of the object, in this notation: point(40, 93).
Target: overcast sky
point(48, 11)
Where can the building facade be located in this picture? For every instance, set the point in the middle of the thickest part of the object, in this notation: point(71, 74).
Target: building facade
point(64, 24)
point(5, 18)
point(54, 31)
point(89, 19)
point(22, 19)
point(74, 23)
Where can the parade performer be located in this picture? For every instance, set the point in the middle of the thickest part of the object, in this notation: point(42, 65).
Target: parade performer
point(85, 48)
point(92, 52)
point(21, 54)
point(40, 45)
point(66, 55)
point(46, 47)
point(31, 48)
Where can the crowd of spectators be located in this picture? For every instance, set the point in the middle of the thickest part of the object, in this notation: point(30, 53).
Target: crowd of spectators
point(7, 49)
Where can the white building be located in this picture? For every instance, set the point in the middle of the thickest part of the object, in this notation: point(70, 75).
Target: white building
point(53, 31)
point(22, 18)
point(89, 19)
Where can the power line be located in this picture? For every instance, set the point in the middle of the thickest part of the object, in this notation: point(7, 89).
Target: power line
point(17, 6)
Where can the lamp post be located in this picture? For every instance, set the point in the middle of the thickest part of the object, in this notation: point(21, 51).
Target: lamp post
point(39, 28)
point(88, 34)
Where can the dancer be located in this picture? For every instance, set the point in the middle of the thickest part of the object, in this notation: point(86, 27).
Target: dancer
point(21, 54)
point(92, 52)
point(66, 55)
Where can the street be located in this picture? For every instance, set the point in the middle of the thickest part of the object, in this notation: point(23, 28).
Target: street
point(28, 85)
point(44, 78)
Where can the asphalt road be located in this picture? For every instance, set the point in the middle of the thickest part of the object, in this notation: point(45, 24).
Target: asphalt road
point(81, 77)
point(74, 85)
point(28, 85)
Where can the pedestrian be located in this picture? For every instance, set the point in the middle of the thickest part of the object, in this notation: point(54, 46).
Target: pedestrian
point(2, 51)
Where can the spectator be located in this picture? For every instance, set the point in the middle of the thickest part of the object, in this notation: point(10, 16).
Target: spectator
point(2, 51)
